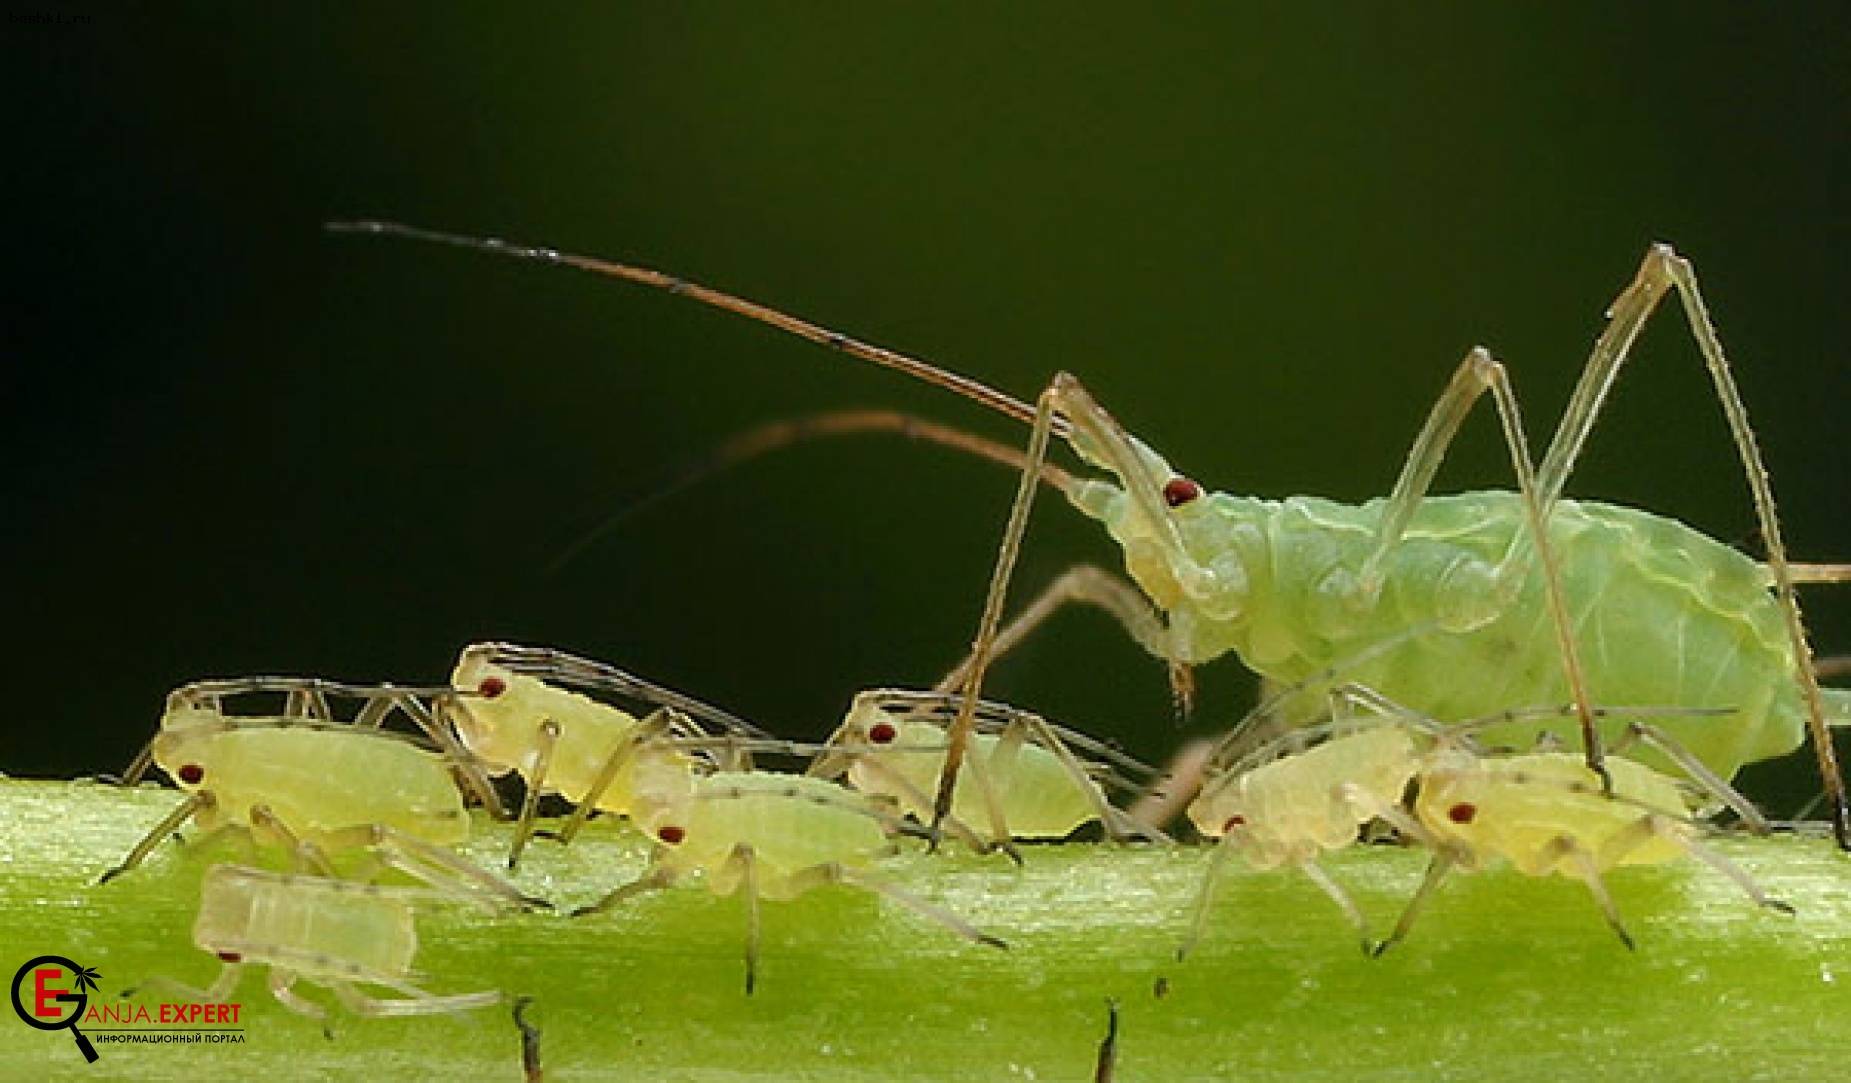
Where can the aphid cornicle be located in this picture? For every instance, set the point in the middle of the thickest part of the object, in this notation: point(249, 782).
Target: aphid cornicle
point(519, 710)
point(767, 835)
point(335, 933)
point(1022, 781)
point(312, 786)
point(1582, 601)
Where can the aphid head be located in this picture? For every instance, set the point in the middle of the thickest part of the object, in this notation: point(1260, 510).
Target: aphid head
point(185, 755)
point(1183, 545)
point(1220, 809)
point(486, 712)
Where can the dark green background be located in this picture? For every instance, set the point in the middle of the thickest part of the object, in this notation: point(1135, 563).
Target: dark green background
point(236, 444)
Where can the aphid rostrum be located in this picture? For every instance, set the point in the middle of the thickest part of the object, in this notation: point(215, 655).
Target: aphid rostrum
point(767, 835)
point(1564, 600)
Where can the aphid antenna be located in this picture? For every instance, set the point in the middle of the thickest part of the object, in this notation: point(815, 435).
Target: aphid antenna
point(974, 390)
point(778, 435)
point(550, 664)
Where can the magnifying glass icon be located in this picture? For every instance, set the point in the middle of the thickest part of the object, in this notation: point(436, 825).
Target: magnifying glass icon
point(77, 999)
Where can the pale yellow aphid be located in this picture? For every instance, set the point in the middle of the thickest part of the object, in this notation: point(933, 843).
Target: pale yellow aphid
point(313, 787)
point(773, 836)
point(1024, 780)
point(1293, 809)
point(1293, 800)
point(514, 715)
point(335, 933)
point(1544, 812)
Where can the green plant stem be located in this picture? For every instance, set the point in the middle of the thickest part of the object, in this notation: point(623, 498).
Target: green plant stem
point(1506, 977)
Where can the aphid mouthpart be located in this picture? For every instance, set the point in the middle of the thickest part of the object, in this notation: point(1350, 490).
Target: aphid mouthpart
point(1462, 813)
point(1180, 490)
point(492, 687)
point(192, 774)
point(671, 834)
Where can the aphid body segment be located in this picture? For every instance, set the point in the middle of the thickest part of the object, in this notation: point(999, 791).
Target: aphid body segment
point(1023, 779)
point(335, 933)
point(764, 834)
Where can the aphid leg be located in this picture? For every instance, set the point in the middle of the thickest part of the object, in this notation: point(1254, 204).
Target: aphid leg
point(303, 855)
point(1166, 798)
point(1652, 826)
point(1662, 270)
point(836, 873)
point(1442, 863)
point(1119, 826)
point(434, 865)
point(1316, 874)
point(418, 1003)
point(1477, 374)
point(546, 738)
point(1586, 867)
point(530, 1041)
point(144, 759)
point(958, 735)
point(441, 731)
point(170, 823)
point(744, 856)
point(1105, 1065)
point(282, 985)
point(1082, 583)
point(899, 782)
point(221, 988)
point(1217, 860)
point(1357, 800)
point(659, 721)
point(1707, 780)
point(653, 880)
point(1813, 573)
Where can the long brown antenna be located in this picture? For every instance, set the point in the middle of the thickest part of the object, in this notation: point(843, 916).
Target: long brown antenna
point(643, 276)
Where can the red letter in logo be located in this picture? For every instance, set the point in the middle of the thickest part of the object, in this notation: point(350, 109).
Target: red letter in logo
point(42, 994)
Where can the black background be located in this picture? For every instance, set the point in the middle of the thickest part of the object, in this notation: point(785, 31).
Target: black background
point(235, 444)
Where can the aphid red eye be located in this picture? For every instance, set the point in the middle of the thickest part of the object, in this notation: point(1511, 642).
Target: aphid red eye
point(1180, 490)
point(671, 834)
point(882, 733)
point(1234, 821)
point(1462, 813)
point(192, 774)
point(492, 687)
point(230, 957)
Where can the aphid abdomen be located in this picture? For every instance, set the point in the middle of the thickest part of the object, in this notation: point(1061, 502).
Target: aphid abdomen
point(1040, 800)
point(301, 920)
point(1663, 616)
point(790, 822)
point(321, 780)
